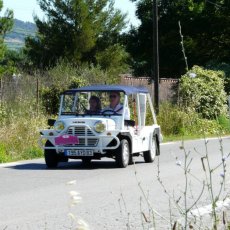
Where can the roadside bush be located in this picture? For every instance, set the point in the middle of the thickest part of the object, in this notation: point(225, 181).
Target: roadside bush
point(64, 72)
point(22, 136)
point(60, 75)
point(32, 152)
point(3, 113)
point(95, 75)
point(203, 91)
point(224, 123)
point(176, 121)
point(50, 98)
point(3, 154)
point(225, 67)
point(170, 119)
point(51, 95)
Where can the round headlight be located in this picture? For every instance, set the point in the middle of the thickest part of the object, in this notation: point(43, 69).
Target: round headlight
point(59, 126)
point(99, 127)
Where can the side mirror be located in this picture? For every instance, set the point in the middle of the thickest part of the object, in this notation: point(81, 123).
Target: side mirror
point(51, 122)
point(130, 123)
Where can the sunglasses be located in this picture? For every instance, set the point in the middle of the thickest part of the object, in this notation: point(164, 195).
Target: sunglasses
point(112, 96)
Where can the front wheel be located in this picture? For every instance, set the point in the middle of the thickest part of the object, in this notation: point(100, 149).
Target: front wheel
point(150, 155)
point(51, 157)
point(123, 154)
point(86, 160)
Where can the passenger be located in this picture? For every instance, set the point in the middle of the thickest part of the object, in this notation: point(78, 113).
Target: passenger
point(94, 105)
point(116, 106)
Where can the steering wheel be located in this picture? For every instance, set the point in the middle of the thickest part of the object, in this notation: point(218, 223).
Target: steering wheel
point(109, 111)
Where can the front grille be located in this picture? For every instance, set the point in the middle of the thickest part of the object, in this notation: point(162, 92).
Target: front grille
point(85, 136)
point(80, 131)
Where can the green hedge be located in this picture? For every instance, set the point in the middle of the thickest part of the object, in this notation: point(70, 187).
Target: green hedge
point(203, 91)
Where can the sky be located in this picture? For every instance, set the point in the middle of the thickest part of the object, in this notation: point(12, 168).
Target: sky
point(24, 9)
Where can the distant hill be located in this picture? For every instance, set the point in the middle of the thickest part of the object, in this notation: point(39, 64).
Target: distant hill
point(15, 39)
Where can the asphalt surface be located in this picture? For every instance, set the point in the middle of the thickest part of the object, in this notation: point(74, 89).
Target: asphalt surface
point(34, 197)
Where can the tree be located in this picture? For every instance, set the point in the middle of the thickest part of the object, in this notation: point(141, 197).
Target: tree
point(76, 30)
point(10, 63)
point(205, 29)
point(6, 23)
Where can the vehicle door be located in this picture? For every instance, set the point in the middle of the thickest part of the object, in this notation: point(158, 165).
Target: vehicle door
point(140, 135)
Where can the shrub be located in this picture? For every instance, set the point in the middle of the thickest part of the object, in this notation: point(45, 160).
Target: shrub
point(176, 121)
point(170, 119)
point(21, 139)
point(224, 123)
point(3, 154)
point(51, 95)
point(32, 152)
point(204, 92)
point(50, 98)
point(3, 113)
point(64, 72)
point(225, 67)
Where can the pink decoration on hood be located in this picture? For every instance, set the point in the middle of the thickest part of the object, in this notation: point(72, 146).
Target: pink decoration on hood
point(66, 140)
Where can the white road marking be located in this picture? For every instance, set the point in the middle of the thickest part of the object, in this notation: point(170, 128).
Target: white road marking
point(204, 213)
point(220, 206)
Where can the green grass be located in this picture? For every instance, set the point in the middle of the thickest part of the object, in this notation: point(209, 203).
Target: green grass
point(19, 134)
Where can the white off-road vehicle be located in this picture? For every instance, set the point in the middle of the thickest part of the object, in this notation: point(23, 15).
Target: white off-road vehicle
point(78, 134)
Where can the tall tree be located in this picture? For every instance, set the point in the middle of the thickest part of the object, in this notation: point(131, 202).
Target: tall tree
point(205, 29)
point(76, 30)
point(6, 23)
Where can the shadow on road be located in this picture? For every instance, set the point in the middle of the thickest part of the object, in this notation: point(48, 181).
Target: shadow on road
point(28, 166)
point(72, 165)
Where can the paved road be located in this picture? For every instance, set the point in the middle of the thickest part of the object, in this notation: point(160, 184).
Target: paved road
point(33, 197)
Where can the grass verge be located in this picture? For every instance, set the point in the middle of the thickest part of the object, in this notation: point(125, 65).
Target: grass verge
point(18, 138)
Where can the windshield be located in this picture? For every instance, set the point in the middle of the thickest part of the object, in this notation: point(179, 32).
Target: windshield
point(93, 103)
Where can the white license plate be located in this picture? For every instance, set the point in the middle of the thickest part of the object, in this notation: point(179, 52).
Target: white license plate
point(79, 152)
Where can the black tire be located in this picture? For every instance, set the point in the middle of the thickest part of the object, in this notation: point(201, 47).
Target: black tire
point(150, 155)
point(131, 161)
point(63, 159)
point(51, 157)
point(123, 154)
point(86, 160)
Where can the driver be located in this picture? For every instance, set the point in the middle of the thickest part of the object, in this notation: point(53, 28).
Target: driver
point(116, 106)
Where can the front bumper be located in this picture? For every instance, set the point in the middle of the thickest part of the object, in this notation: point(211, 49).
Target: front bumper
point(88, 139)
